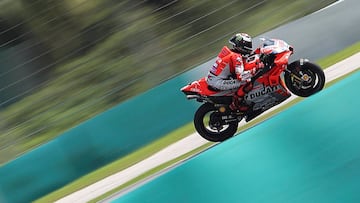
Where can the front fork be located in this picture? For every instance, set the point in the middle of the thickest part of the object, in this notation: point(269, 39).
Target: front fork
point(300, 78)
point(303, 76)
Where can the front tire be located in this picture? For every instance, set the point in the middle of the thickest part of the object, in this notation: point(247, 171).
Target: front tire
point(304, 79)
point(209, 125)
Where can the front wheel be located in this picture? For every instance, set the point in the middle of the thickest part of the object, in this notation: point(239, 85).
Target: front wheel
point(304, 78)
point(210, 125)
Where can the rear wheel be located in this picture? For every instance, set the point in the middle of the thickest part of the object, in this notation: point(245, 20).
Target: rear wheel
point(304, 79)
point(210, 125)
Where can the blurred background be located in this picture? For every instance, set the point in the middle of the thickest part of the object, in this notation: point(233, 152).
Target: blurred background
point(64, 61)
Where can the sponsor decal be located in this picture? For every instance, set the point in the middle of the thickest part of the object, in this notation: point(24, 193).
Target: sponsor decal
point(214, 68)
point(229, 82)
point(194, 90)
point(195, 87)
point(261, 92)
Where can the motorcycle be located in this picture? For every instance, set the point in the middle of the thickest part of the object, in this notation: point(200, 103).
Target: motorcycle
point(272, 85)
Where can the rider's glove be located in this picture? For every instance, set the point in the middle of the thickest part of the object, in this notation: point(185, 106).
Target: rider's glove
point(267, 59)
point(260, 65)
point(246, 76)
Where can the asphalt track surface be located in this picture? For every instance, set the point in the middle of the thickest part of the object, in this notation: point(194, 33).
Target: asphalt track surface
point(193, 141)
point(324, 32)
point(307, 153)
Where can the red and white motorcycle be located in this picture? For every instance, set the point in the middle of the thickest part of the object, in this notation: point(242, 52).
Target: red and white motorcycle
point(216, 122)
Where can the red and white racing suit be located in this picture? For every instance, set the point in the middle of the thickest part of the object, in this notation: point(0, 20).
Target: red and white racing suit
point(229, 71)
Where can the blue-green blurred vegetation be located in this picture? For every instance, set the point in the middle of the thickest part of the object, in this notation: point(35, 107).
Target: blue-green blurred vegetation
point(64, 61)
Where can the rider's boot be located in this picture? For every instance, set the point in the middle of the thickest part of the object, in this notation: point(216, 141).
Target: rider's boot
point(238, 103)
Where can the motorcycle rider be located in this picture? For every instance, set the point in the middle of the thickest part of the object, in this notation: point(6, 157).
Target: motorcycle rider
point(231, 72)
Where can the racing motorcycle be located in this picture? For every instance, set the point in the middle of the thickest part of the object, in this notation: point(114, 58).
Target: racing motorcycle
point(273, 84)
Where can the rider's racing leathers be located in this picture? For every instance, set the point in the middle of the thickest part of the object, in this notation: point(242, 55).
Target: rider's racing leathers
point(229, 71)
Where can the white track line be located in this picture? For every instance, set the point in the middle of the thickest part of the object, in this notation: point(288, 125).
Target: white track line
point(329, 6)
point(181, 147)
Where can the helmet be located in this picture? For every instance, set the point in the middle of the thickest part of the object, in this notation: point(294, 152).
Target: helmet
point(242, 43)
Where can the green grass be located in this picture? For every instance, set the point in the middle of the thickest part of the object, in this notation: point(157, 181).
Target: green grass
point(172, 138)
point(349, 51)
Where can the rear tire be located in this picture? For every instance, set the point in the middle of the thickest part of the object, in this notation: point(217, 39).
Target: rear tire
point(213, 130)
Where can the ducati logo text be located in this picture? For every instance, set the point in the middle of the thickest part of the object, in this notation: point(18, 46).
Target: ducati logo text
point(263, 91)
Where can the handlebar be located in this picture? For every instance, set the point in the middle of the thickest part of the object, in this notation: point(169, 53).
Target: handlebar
point(262, 72)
